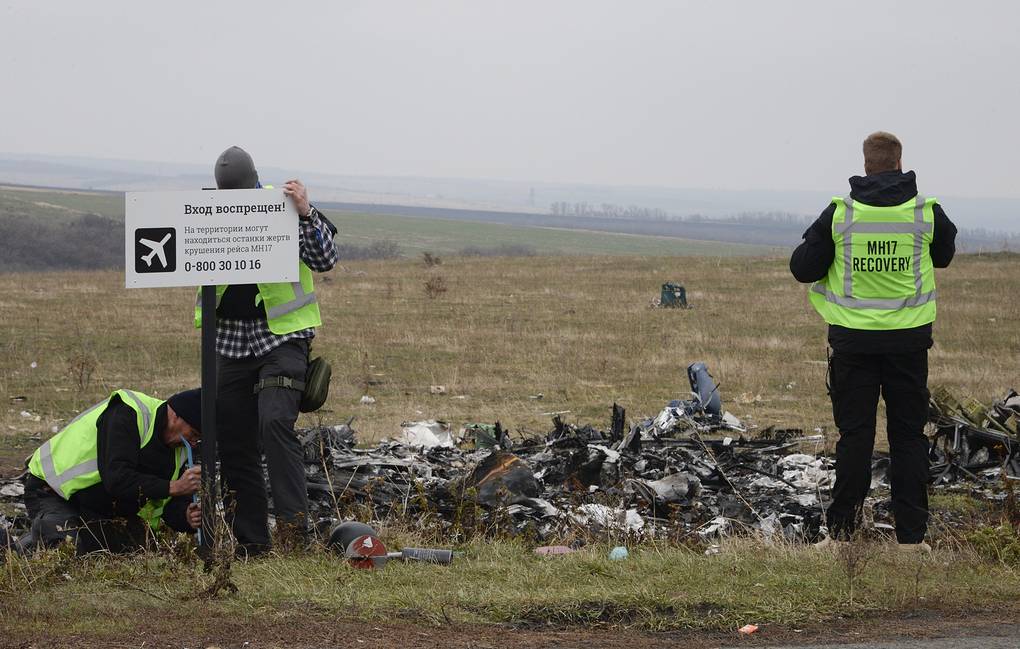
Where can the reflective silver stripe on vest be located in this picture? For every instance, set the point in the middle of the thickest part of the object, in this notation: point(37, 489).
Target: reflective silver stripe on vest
point(46, 459)
point(301, 299)
point(58, 480)
point(848, 250)
point(98, 405)
point(918, 228)
point(919, 240)
point(883, 228)
point(874, 303)
point(144, 410)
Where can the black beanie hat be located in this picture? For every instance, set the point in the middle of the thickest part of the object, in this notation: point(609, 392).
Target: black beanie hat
point(235, 170)
point(188, 406)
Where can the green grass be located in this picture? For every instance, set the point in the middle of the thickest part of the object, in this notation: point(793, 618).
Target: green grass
point(61, 205)
point(657, 588)
point(416, 235)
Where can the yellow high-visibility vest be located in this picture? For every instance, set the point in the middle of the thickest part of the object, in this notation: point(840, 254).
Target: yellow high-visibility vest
point(882, 276)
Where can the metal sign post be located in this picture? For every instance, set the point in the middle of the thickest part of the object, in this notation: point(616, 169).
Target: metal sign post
point(206, 238)
point(209, 489)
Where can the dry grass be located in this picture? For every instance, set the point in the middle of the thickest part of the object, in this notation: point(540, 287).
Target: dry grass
point(577, 330)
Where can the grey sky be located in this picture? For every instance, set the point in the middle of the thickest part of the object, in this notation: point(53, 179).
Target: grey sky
point(734, 95)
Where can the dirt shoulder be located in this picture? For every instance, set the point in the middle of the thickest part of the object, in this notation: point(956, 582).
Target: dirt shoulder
point(301, 629)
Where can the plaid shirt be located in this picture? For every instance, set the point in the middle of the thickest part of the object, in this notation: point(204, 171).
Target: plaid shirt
point(243, 338)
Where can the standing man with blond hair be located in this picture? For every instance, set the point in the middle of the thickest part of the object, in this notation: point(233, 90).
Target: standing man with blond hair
point(871, 258)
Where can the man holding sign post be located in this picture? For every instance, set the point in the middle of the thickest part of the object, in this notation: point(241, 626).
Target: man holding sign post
point(262, 343)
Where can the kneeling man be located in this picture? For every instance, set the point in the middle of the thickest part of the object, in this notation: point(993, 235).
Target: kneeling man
point(114, 472)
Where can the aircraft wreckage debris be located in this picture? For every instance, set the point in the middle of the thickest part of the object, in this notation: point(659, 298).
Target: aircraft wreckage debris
point(693, 470)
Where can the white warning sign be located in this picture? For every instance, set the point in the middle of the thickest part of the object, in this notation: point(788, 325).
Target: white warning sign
point(193, 238)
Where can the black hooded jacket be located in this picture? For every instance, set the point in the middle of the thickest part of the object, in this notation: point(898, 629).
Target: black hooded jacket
point(811, 260)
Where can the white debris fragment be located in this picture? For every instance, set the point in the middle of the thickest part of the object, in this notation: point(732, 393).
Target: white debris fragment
point(12, 490)
point(609, 518)
point(806, 472)
point(367, 400)
point(633, 521)
point(770, 526)
point(678, 487)
point(611, 455)
point(664, 421)
point(802, 476)
point(731, 420)
point(718, 527)
point(33, 365)
point(426, 434)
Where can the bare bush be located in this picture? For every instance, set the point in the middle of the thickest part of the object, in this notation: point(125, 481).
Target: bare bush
point(90, 242)
point(430, 259)
point(853, 557)
point(80, 369)
point(435, 287)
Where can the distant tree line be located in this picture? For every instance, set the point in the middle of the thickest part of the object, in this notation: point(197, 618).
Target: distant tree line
point(611, 211)
point(607, 210)
point(769, 218)
point(90, 242)
point(983, 239)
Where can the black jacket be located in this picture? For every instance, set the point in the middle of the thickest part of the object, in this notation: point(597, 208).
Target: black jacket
point(131, 474)
point(811, 260)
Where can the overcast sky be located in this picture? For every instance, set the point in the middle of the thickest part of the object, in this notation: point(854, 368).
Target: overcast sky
point(734, 95)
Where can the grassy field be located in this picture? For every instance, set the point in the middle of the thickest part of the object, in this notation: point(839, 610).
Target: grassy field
point(418, 234)
point(578, 331)
point(60, 204)
point(413, 235)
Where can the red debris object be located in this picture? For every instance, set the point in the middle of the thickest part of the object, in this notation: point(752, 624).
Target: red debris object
point(748, 629)
point(366, 552)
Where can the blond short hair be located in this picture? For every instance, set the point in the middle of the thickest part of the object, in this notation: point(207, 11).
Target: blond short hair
point(882, 152)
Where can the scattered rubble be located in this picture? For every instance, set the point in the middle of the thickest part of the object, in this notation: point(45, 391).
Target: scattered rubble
point(974, 442)
point(691, 471)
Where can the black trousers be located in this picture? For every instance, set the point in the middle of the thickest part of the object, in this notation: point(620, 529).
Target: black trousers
point(856, 380)
point(55, 520)
point(251, 424)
